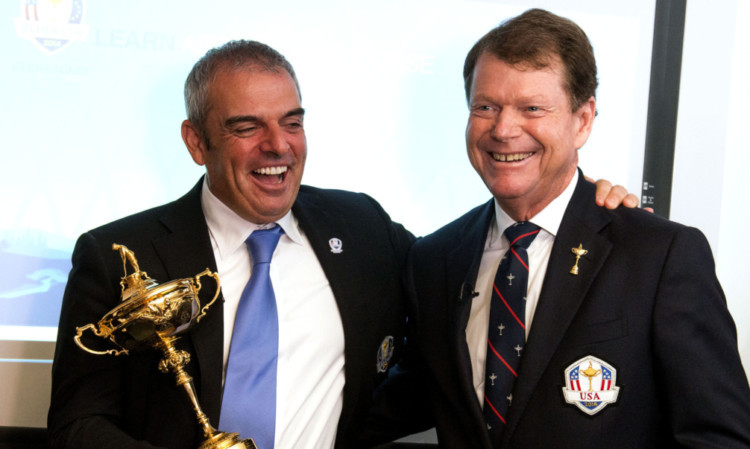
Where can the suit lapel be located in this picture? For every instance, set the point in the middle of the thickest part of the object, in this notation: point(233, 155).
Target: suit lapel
point(562, 292)
point(319, 225)
point(185, 252)
point(462, 268)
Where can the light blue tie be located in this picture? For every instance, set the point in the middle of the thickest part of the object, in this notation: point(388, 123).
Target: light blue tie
point(249, 403)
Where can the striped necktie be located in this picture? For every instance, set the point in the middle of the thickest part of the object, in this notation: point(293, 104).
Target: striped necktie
point(507, 331)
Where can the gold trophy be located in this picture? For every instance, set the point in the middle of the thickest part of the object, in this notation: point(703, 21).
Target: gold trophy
point(153, 315)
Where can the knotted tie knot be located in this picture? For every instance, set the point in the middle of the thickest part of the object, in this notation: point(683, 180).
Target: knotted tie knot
point(262, 243)
point(521, 234)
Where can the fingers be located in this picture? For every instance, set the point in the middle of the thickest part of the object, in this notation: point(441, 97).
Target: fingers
point(612, 197)
point(630, 200)
point(603, 187)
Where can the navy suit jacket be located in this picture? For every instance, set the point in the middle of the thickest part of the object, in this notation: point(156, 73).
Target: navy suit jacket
point(646, 301)
point(125, 402)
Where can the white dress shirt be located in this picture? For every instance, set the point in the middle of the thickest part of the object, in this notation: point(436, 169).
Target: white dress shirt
point(310, 373)
point(495, 247)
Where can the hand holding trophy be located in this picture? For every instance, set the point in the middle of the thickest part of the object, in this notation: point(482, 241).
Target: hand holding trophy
point(153, 315)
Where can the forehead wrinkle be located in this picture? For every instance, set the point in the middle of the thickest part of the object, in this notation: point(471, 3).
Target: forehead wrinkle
point(512, 93)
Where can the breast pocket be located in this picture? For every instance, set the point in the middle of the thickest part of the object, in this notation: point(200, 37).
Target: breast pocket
point(589, 333)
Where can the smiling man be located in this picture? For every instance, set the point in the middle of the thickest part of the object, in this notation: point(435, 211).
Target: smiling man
point(523, 132)
point(252, 142)
point(541, 320)
point(335, 273)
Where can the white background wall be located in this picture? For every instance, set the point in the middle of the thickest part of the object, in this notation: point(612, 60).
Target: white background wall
point(712, 158)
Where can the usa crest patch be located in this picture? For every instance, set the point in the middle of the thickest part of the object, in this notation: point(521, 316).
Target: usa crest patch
point(590, 385)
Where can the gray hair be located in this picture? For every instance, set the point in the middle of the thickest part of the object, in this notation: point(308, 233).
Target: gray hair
point(238, 54)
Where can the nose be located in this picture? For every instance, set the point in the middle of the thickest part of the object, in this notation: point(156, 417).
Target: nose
point(275, 141)
point(506, 126)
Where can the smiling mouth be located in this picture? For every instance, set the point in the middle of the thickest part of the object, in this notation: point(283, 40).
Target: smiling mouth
point(279, 172)
point(515, 157)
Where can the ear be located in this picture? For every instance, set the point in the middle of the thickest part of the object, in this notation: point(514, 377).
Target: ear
point(194, 142)
point(585, 115)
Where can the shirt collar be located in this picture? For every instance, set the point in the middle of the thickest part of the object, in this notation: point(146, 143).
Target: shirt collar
point(230, 231)
point(548, 219)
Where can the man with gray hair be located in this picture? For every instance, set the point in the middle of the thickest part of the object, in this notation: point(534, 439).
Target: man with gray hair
point(335, 273)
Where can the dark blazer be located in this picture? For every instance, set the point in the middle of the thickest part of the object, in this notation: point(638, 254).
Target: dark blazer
point(646, 301)
point(125, 402)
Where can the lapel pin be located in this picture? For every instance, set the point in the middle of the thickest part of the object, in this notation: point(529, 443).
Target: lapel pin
point(385, 352)
point(578, 252)
point(336, 245)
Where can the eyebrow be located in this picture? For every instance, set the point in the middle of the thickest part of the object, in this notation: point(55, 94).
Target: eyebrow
point(251, 118)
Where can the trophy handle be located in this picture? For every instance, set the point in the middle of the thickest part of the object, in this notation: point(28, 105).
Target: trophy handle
point(207, 272)
point(81, 330)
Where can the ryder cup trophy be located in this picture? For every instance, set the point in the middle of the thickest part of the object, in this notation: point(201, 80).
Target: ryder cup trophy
point(153, 315)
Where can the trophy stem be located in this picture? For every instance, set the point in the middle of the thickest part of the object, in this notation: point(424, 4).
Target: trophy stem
point(187, 382)
point(175, 360)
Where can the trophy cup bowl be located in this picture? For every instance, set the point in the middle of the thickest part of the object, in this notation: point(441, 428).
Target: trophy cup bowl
point(152, 315)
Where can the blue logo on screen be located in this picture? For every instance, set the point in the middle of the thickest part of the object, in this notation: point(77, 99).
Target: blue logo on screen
point(32, 281)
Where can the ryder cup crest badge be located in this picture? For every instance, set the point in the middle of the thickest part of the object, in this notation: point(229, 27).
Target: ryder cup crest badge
point(590, 385)
point(52, 24)
point(336, 245)
point(385, 352)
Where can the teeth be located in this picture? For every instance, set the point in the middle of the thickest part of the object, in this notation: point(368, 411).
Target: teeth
point(270, 171)
point(510, 157)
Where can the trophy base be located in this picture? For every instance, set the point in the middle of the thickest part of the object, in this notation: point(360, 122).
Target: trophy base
point(223, 440)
